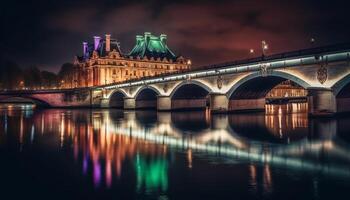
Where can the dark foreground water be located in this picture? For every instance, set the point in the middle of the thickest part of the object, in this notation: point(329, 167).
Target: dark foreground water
point(114, 154)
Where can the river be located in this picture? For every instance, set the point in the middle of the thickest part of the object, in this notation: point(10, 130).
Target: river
point(116, 154)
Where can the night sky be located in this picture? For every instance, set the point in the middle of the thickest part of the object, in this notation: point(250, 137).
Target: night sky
point(49, 33)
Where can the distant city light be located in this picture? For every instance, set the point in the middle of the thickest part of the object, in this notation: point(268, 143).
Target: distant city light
point(312, 40)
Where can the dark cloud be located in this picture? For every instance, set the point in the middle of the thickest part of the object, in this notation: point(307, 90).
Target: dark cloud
point(49, 33)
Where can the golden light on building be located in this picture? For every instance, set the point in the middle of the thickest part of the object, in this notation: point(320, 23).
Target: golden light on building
point(103, 62)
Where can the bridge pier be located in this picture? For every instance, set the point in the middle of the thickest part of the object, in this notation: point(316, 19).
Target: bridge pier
point(143, 104)
point(189, 104)
point(105, 103)
point(220, 122)
point(321, 102)
point(323, 128)
point(129, 103)
point(218, 103)
point(241, 105)
point(163, 103)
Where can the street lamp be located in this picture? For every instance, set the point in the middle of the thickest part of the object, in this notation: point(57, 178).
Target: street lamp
point(251, 52)
point(264, 47)
point(312, 41)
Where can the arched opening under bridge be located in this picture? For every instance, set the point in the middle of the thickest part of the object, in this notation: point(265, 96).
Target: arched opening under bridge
point(266, 93)
point(190, 97)
point(117, 100)
point(342, 95)
point(146, 99)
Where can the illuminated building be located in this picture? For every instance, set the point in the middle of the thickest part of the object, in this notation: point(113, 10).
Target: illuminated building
point(103, 62)
point(287, 89)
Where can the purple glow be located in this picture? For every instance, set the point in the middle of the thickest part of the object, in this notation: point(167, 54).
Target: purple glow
point(96, 42)
point(85, 164)
point(97, 173)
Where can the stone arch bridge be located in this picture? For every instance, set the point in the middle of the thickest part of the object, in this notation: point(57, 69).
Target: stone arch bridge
point(237, 86)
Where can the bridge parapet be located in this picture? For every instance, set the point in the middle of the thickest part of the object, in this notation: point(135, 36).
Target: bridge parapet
point(83, 97)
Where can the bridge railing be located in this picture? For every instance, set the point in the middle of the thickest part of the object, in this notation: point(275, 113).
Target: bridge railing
point(317, 51)
point(29, 91)
point(291, 54)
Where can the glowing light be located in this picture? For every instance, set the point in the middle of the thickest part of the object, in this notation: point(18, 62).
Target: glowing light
point(189, 158)
point(151, 175)
point(264, 47)
point(97, 174)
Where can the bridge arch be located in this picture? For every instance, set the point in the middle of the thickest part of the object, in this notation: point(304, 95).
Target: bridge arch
point(120, 90)
point(190, 94)
point(146, 87)
point(249, 92)
point(342, 85)
point(146, 97)
point(341, 91)
point(24, 99)
point(280, 76)
point(116, 98)
point(190, 82)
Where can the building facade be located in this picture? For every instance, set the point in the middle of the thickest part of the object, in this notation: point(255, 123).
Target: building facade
point(103, 62)
point(287, 89)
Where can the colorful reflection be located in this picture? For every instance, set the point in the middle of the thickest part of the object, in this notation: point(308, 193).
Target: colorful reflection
point(151, 175)
point(103, 143)
point(283, 119)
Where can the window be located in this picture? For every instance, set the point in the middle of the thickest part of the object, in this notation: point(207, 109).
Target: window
point(114, 71)
point(126, 72)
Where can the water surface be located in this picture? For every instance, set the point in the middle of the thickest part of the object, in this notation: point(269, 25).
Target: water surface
point(115, 154)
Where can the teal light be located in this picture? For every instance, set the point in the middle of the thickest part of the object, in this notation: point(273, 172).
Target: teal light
point(151, 175)
point(151, 46)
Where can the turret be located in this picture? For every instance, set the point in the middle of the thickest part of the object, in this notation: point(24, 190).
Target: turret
point(85, 48)
point(108, 42)
point(96, 42)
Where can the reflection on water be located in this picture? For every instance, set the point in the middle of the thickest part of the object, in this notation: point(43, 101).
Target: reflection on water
point(178, 155)
point(286, 118)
